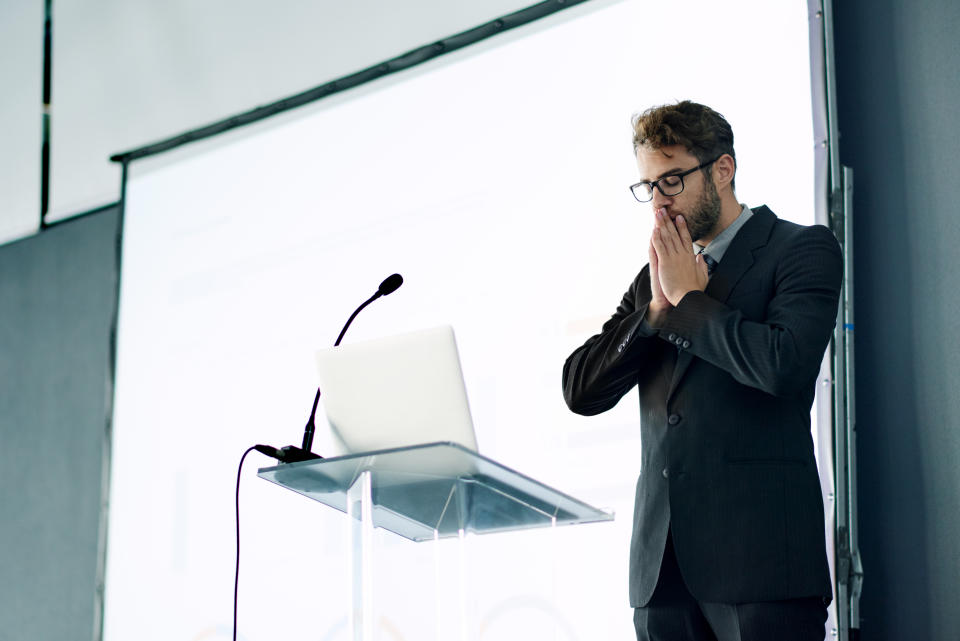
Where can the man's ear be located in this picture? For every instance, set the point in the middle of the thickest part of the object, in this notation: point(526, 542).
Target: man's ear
point(724, 170)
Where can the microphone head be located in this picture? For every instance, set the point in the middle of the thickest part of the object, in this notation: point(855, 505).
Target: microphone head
point(390, 284)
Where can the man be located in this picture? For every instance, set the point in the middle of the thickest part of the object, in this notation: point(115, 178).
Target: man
point(723, 333)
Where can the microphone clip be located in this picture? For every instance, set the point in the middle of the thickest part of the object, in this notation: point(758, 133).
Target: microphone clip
point(288, 454)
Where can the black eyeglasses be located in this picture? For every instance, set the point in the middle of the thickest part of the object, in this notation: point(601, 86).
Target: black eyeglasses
point(668, 185)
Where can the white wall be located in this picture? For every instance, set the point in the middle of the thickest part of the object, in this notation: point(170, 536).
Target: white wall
point(129, 72)
point(21, 116)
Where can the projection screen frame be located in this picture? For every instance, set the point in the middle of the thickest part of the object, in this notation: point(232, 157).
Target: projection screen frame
point(394, 65)
point(829, 202)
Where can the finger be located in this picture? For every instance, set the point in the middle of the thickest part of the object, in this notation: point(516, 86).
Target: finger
point(654, 268)
point(704, 269)
point(657, 240)
point(669, 233)
point(659, 227)
point(684, 232)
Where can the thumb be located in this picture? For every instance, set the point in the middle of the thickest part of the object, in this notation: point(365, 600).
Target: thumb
point(702, 264)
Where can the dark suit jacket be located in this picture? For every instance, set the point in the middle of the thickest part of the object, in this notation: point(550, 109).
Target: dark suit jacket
point(726, 388)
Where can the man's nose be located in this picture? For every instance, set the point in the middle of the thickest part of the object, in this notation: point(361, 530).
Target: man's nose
point(659, 200)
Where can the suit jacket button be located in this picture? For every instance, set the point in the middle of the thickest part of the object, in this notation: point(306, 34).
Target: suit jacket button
point(672, 337)
point(673, 419)
point(686, 344)
point(679, 341)
point(666, 474)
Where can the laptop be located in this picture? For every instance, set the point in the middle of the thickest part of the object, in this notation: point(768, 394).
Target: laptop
point(396, 391)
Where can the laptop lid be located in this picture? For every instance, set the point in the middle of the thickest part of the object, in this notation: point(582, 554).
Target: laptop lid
point(396, 391)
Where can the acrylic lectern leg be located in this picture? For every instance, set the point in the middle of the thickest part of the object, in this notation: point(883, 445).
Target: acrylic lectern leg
point(360, 511)
point(452, 611)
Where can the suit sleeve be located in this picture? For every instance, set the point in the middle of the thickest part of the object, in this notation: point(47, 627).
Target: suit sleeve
point(781, 354)
point(598, 373)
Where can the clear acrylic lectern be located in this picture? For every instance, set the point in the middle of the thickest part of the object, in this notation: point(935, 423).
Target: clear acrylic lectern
point(424, 493)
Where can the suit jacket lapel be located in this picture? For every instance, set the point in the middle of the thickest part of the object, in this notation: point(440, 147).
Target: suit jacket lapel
point(736, 261)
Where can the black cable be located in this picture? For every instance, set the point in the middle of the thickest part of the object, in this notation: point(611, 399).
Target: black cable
point(236, 576)
point(269, 451)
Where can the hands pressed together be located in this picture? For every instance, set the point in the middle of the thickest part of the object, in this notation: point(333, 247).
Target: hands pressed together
point(674, 268)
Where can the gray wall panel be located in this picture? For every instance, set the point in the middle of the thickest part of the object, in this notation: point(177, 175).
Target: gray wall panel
point(898, 67)
point(57, 292)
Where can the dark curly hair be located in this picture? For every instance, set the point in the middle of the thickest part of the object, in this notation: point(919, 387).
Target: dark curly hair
point(702, 131)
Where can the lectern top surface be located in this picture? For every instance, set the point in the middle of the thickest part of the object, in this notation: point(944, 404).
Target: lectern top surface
point(434, 490)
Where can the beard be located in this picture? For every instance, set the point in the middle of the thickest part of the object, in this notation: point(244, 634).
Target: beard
point(706, 212)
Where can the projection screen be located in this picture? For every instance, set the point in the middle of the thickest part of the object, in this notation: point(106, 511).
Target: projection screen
point(495, 181)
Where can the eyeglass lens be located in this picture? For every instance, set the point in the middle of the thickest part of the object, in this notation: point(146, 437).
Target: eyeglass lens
point(668, 186)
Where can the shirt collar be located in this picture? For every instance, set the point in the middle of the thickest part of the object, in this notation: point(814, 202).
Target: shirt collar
point(718, 246)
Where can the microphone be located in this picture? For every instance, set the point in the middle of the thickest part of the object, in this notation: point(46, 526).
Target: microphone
point(291, 454)
point(268, 450)
point(390, 284)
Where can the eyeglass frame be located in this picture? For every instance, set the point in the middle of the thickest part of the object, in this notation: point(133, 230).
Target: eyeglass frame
point(656, 183)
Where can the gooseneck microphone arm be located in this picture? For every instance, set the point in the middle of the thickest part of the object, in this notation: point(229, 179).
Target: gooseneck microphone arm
point(354, 315)
point(311, 425)
point(389, 285)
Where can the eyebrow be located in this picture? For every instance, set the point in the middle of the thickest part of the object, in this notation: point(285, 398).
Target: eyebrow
point(675, 170)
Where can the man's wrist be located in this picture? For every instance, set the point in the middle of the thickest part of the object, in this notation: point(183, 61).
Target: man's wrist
point(656, 315)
